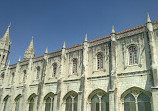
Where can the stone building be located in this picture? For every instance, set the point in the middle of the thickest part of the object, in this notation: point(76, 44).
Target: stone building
point(118, 72)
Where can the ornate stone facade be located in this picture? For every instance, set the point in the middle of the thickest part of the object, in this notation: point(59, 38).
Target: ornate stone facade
point(118, 72)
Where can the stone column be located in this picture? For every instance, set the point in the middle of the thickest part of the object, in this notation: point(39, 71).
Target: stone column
point(79, 101)
point(153, 50)
point(111, 100)
point(112, 71)
point(154, 62)
point(55, 103)
point(60, 87)
point(84, 76)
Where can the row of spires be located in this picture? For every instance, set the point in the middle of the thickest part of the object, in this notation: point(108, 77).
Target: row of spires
point(30, 52)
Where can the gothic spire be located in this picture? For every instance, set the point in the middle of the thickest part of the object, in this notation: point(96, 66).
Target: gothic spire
point(31, 45)
point(113, 36)
point(149, 24)
point(46, 52)
point(6, 37)
point(148, 18)
point(85, 40)
point(19, 59)
point(30, 52)
point(64, 45)
point(113, 30)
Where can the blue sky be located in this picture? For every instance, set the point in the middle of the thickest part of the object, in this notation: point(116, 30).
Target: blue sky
point(52, 22)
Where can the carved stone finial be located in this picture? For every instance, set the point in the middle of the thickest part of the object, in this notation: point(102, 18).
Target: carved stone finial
point(64, 45)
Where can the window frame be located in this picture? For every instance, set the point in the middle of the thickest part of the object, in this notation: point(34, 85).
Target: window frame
point(74, 66)
point(132, 55)
point(51, 96)
point(100, 61)
point(54, 65)
point(24, 76)
point(38, 70)
point(135, 92)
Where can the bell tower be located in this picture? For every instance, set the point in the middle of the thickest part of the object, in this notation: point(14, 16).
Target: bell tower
point(4, 48)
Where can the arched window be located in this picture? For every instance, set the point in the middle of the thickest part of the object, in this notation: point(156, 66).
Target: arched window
point(71, 103)
point(74, 66)
point(31, 104)
point(129, 103)
point(133, 55)
point(71, 100)
point(99, 61)
point(136, 99)
point(144, 102)
point(105, 103)
point(17, 103)
point(38, 72)
point(6, 103)
point(95, 103)
point(49, 102)
point(24, 76)
point(54, 69)
point(31, 101)
point(99, 100)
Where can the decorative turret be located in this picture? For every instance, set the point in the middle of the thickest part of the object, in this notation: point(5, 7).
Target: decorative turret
point(153, 50)
point(30, 52)
point(85, 40)
point(113, 38)
point(19, 59)
point(46, 52)
point(149, 24)
point(64, 45)
point(4, 47)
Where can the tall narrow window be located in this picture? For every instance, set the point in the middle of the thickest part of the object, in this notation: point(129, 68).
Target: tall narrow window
point(31, 104)
point(144, 103)
point(24, 76)
point(75, 103)
point(132, 55)
point(105, 103)
point(49, 103)
point(74, 65)
point(17, 103)
point(99, 61)
point(129, 103)
point(5, 103)
point(54, 69)
point(38, 72)
point(71, 103)
point(95, 103)
point(12, 80)
point(32, 101)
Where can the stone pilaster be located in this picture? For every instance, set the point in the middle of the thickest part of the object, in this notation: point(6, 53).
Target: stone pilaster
point(60, 95)
point(84, 76)
point(112, 69)
point(152, 44)
point(111, 100)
